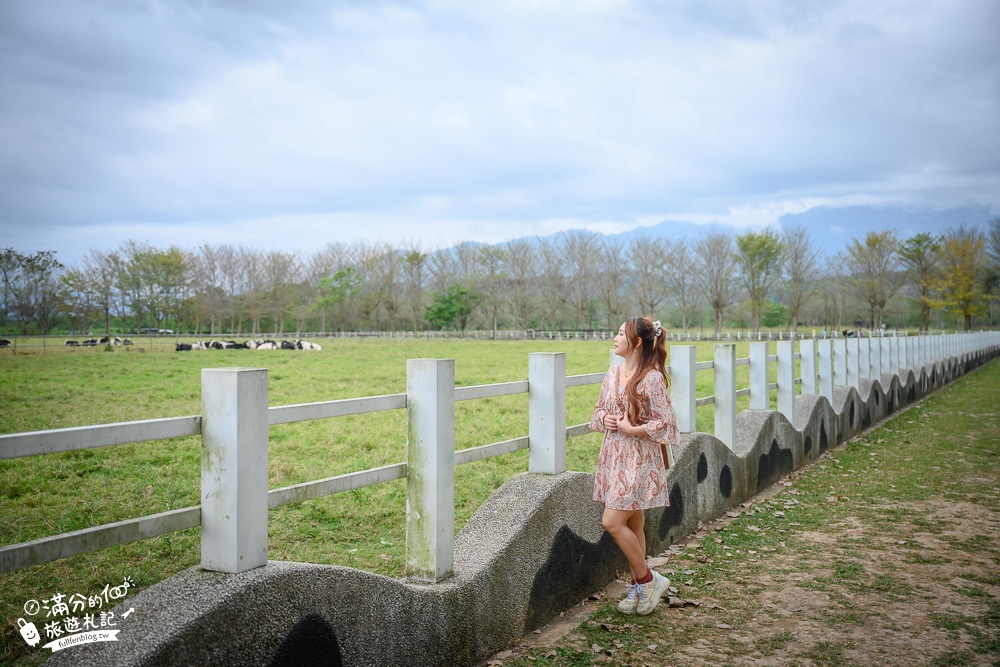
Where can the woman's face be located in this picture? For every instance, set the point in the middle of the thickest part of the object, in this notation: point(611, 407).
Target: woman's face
point(622, 346)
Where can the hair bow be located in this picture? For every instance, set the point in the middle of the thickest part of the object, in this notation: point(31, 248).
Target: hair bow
point(657, 329)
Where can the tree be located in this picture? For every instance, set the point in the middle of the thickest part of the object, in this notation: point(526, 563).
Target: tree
point(874, 271)
point(455, 304)
point(959, 285)
point(493, 269)
point(677, 276)
point(800, 269)
point(31, 288)
point(758, 257)
point(647, 283)
point(522, 263)
point(920, 255)
point(611, 279)
point(580, 252)
point(715, 268)
point(415, 262)
point(333, 290)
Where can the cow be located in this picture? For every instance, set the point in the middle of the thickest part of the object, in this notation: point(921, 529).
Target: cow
point(127, 341)
point(72, 343)
point(90, 342)
point(5, 342)
point(182, 347)
point(266, 345)
point(306, 345)
point(288, 345)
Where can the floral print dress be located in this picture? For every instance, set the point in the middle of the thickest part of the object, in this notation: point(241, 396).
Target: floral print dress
point(631, 474)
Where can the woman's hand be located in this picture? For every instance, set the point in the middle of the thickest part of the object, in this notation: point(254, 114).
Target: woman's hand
point(611, 422)
point(625, 426)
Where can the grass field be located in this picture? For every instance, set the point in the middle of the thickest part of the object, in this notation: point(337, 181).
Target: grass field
point(51, 494)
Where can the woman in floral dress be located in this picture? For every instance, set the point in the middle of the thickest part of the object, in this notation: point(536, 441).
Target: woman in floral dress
point(637, 419)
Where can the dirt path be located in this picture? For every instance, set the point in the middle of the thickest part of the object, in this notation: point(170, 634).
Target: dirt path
point(884, 551)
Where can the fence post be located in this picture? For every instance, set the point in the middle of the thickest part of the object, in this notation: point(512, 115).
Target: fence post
point(826, 368)
point(758, 376)
point(885, 358)
point(853, 363)
point(547, 412)
point(786, 379)
point(683, 386)
point(430, 472)
point(233, 469)
point(840, 362)
point(807, 362)
point(864, 358)
point(904, 347)
point(894, 355)
point(725, 394)
point(875, 370)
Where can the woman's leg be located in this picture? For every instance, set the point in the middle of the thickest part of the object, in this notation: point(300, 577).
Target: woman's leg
point(619, 524)
point(637, 524)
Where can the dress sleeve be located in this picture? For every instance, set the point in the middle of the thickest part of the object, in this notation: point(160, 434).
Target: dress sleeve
point(662, 424)
point(601, 409)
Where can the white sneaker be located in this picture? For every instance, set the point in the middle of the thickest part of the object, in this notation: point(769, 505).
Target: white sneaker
point(649, 594)
point(629, 602)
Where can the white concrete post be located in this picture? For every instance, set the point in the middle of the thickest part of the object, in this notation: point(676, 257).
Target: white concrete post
point(864, 356)
point(904, 352)
point(725, 394)
point(547, 412)
point(894, 355)
point(826, 368)
point(853, 363)
point(885, 357)
point(875, 370)
point(683, 385)
point(786, 379)
point(807, 362)
point(233, 469)
point(430, 475)
point(758, 377)
point(840, 362)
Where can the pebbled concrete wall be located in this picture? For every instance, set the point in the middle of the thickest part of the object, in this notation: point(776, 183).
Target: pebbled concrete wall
point(534, 548)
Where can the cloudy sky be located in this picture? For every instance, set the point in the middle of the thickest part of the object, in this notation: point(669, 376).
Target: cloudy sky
point(293, 124)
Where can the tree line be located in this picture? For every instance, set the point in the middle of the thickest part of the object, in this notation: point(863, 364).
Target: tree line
point(576, 280)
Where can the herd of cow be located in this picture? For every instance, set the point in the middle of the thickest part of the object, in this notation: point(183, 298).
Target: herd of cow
point(260, 344)
point(93, 342)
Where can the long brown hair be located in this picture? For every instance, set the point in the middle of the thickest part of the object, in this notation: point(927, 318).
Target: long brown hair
point(641, 335)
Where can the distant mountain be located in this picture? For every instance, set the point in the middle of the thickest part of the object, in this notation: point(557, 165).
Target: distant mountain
point(830, 228)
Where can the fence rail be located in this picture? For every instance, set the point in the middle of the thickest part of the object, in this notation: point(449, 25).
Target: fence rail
point(227, 392)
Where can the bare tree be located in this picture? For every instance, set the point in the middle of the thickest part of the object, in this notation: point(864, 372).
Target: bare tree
point(678, 261)
point(715, 271)
point(280, 269)
point(553, 283)
point(647, 283)
point(415, 265)
point(612, 278)
point(522, 269)
point(581, 252)
point(875, 274)
point(800, 270)
point(493, 272)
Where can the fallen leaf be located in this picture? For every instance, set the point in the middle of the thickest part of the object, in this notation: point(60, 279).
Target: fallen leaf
point(723, 626)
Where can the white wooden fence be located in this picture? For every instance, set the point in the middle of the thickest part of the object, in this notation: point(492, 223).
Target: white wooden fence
point(235, 418)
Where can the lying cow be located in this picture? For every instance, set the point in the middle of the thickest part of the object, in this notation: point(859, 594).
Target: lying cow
point(182, 347)
point(5, 342)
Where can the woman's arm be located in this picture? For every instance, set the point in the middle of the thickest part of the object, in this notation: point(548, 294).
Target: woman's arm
point(662, 425)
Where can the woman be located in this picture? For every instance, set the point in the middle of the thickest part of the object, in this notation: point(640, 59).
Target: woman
point(637, 419)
